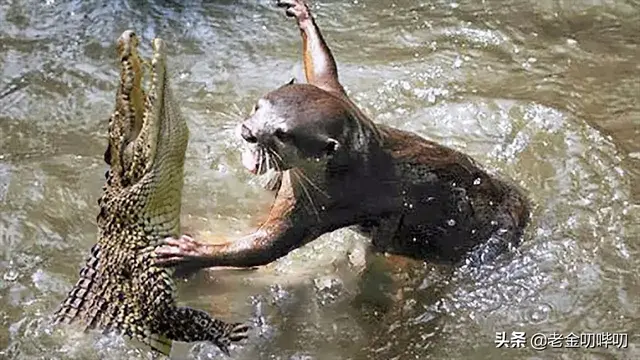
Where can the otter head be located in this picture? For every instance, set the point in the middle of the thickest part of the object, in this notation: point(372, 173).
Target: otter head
point(292, 127)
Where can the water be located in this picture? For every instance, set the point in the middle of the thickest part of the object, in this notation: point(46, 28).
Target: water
point(543, 91)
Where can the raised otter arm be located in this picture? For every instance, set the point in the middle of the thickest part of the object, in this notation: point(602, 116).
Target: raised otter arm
point(319, 65)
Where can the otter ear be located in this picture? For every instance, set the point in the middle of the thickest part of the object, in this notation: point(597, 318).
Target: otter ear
point(332, 146)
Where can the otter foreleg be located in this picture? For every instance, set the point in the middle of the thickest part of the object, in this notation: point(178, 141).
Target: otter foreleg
point(264, 246)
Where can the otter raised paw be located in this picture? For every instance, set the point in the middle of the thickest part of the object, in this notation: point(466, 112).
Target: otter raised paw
point(296, 8)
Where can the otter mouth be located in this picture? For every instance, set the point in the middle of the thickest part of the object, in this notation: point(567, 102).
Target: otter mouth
point(259, 159)
point(256, 159)
point(251, 160)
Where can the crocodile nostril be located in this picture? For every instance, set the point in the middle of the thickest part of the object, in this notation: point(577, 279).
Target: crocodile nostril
point(247, 135)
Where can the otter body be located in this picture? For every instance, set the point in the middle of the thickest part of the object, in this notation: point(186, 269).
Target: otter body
point(338, 168)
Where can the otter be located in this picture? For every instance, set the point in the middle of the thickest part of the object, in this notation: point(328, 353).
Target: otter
point(337, 168)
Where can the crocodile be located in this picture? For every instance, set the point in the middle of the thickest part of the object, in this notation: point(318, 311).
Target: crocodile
point(120, 289)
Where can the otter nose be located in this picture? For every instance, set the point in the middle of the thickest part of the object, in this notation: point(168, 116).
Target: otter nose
point(247, 135)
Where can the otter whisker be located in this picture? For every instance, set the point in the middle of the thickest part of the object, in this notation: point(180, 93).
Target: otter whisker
point(273, 161)
point(234, 116)
point(267, 163)
point(273, 165)
point(267, 160)
point(312, 183)
point(275, 154)
point(300, 181)
point(260, 160)
point(277, 163)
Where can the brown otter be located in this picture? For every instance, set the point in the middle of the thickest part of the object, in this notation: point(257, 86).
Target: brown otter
point(337, 168)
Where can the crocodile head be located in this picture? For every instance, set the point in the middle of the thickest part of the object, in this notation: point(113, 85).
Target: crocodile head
point(147, 140)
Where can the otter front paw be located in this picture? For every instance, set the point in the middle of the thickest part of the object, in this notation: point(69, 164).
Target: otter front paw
point(182, 252)
point(295, 8)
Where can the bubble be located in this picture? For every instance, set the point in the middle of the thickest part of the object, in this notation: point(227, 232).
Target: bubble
point(539, 313)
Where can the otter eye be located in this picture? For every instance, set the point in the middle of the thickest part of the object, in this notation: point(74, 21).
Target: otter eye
point(282, 135)
point(332, 146)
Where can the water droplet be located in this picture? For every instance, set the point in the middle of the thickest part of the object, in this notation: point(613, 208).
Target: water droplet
point(477, 181)
point(539, 314)
point(494, 223)
point(451, 222)
point(327, 289)
point(457, 63)
point(473, 231)
point(278, 294)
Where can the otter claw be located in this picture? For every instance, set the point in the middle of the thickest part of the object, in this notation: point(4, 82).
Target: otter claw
point(173, 252)
point(295, 8)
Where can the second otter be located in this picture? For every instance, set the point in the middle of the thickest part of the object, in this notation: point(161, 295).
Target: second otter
point(414, 197)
